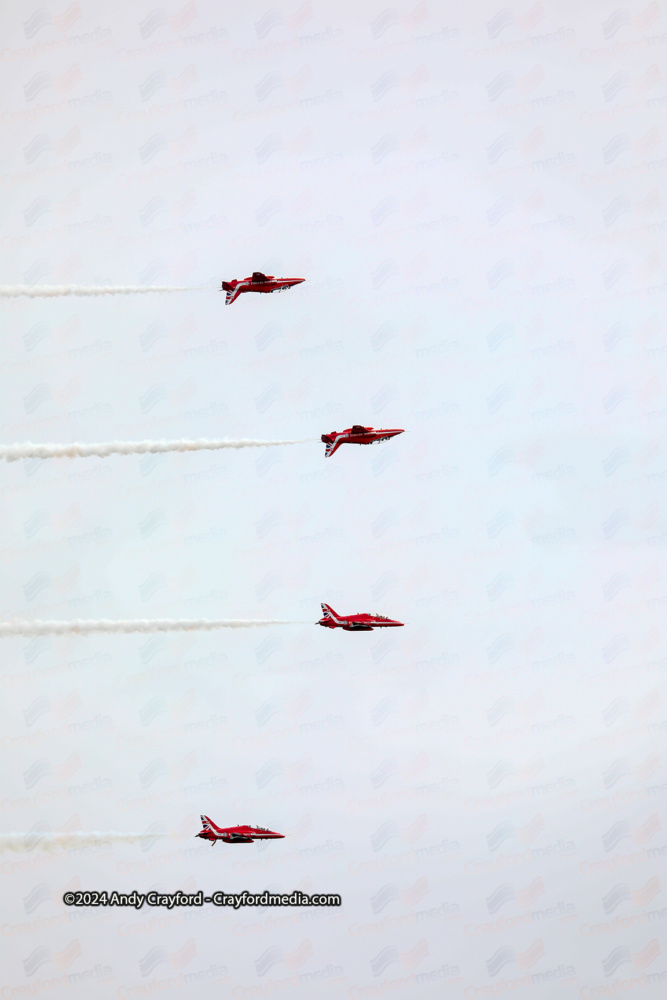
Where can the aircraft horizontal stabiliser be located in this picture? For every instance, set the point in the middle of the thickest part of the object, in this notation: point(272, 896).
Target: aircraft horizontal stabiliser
point(235, 834)
point(257, 282)
point(355, 623)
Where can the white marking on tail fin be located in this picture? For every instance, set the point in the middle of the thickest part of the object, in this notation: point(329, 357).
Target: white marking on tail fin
point(234, 293)
point(333, 446)
point(329, 612)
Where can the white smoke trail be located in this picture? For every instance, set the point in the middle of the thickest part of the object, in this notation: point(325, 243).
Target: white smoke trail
point(15, 452)
point(55, 291)
point(32, 840)
point(79, 626)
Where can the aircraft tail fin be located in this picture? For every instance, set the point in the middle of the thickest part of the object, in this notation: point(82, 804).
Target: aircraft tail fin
point(331, 443)
point(328, 612)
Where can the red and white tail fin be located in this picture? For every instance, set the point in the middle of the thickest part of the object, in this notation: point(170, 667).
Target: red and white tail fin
point(208, 825)
point(332, 446)
point(328, 613)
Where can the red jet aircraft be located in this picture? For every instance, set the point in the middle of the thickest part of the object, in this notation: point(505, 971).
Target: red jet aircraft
point(235, 834)
point(354, 623)
point(355, 435)
point(258, 282)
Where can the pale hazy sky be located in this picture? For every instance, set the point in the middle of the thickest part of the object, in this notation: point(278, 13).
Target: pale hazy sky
point(476, 199)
